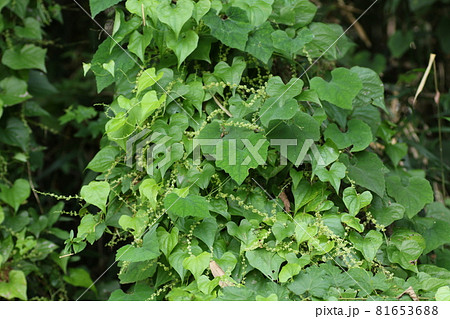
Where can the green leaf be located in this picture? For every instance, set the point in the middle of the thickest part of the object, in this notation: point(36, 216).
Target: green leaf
point(147, 79)
point(99, 5)
point(303, 128)
point(413, 194)
point(200, 9)
point(443, 294)
point(87, 228)
point(191, 205)
point(237, 158)
point(13, 91)
point(167, 241)
point(175, 15)
point(386, 214)
point(328, 41)
point(15, 133)
point(368, 172)
point(197, 264)
point(334, 175)
point(405, 247)
point(104, 159)
point(96, 193)
point(352, 221)
point(231, 30)
point(14, 196)
point(257, 44)
point(231, 74)
point(354, 201)
point(289, 46)
point(400, 42)
point(136, 224)
point(358, 134)
point(148, 251)
point(30, 30)
point(277, 109)
point(29, 57)
point(182, 46)
point(140, 291)
point(149, 188)
point(288, 271)
point(341, 90)
point(138, 42)
point(436, 235)
point(372, 91)
point(396, 152)
point(265, 261)
point(206, 231)
point(312, 281)
point(15, 287)
point(109, 67)
point(257, 10)
point(176, 259)
point(293, 13)
point(79, 277)
point(276, 88)
point(367, 245)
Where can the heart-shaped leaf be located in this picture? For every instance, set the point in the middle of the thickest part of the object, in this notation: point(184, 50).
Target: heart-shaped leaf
point(354, 201)
point(96, 193)
point(15, 195)
point(197, 264)
point(367, 245)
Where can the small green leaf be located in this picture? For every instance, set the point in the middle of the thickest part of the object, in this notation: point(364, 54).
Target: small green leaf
point(79, 277)
point(30, 30)
point(333, 175)
point(288, 271)
point(285, 44)
point(368, 171)
point(96, 193)
point(200, 9)
point(109, 67)
point(405, 247)
point(138, 42)
point(354, 201)
point(167, 241)
point(257, 10)
point(341, 90)
point(147, 79)
point(352, 221)
point(206, 231)
point(149, 188)
point(257, 44)
point(396, 152)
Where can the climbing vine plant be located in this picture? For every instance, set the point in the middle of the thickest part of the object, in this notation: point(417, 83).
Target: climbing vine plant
point(240, 162)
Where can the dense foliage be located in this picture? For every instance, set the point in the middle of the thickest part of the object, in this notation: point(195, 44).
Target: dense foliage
point(196, 196)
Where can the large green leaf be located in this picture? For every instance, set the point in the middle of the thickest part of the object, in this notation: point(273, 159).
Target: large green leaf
point(15, 287)
point(197, 264)
point(367, 245)
point(257, 10)
point(183, 45)
point(302, 129)
point(232, 30)
point(329, 41)
point(291, 46)
point(15, 195)
point(436, 234)
point(373, 89)
point(15, 133)
point(189, 206)
point(333, 175)
point(368, 171)
point(148, 251)
point(79, 277)
point(413, 193)
point(104, 159)
point(175, 15)
point(29, 57)
point(12, 91)
point(265, 261)
point(257, 44)
point(405, 247)
point(293, 13)
point(341, 90)
point(358, 134)
point(96, 193)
